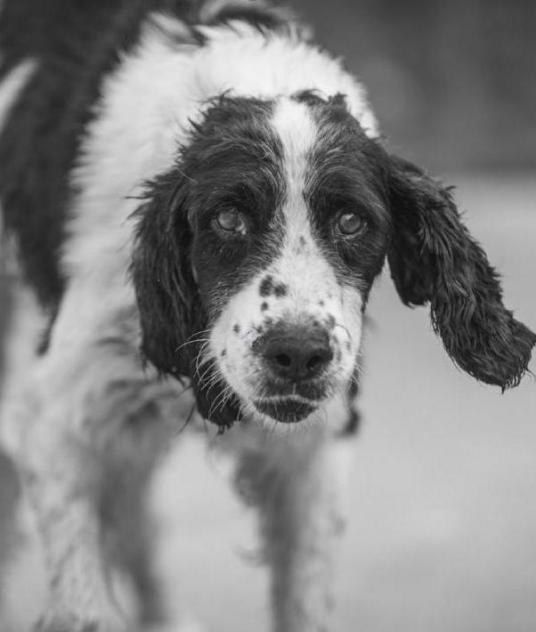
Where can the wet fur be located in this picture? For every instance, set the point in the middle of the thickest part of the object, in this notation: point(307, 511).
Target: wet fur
point(434, 259)
point(134, 306)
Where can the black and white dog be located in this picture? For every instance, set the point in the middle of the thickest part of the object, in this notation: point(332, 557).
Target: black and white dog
point(197, 196)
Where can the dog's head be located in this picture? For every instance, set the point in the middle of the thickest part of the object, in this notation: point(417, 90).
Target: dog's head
point(256, 253)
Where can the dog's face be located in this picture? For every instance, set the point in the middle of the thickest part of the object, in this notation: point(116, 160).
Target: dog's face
point(290, 226)
point(256, 255)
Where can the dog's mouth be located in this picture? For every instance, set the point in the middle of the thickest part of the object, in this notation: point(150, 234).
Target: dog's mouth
point(286, 409)
point(309, 390)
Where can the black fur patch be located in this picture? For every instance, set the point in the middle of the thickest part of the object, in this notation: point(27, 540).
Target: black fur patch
point(347, 174)
point(266, 287)
point(269, 287)
point(434, 259)
point(280, 290)
point(233, 160)
point(75, 44)
point(352, 424)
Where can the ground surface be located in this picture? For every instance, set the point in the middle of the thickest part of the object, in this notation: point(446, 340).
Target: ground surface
point(442, 534)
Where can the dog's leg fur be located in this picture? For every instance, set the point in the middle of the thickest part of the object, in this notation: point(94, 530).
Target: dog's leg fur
point(9, 492)
point(129, 529)
point(296, 483)
point(85, 399)
point(63, 496)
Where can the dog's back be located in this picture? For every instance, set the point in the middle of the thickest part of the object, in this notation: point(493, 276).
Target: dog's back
point(67, 47)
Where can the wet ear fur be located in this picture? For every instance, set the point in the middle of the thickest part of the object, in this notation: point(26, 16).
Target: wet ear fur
point(166, 291)
point(434, 259)
point(172, 317)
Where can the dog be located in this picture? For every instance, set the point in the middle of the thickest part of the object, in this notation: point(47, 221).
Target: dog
point(198, 200)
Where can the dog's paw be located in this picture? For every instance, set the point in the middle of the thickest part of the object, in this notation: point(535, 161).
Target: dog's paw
point(54, 621)
point(185, 625)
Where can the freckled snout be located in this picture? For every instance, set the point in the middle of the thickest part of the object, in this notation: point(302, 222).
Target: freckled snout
point(296, 353)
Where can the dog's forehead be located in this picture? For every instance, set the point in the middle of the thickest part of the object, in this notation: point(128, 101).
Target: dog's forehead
point(232, 131)
point(322, 143)
point(294, 124)
point(298, 138)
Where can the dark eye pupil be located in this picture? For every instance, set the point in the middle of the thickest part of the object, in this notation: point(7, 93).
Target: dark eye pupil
point(350, 223)
point(232, 221)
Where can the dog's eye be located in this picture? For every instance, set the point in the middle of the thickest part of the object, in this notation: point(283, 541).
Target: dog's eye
point(351, 224)
point(231, 221)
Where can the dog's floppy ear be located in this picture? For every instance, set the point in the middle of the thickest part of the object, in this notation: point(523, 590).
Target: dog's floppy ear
point(434, 259)
point(166, 291)
point(172, 316)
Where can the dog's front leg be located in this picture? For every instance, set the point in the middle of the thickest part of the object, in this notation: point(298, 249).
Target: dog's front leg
point(61, 469)
point(297, 484)
point(63, 495)
point(85, 407)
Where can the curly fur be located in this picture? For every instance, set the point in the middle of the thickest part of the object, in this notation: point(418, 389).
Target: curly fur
point(434, 259)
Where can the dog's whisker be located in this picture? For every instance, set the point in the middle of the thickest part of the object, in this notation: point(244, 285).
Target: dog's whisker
point(209, 384)
point(218, 402)
point(202, 360)
point(190, 342)
point(222, 399)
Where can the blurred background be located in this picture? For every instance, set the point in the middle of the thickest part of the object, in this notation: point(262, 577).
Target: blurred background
point(453, 82)
point(442, 527)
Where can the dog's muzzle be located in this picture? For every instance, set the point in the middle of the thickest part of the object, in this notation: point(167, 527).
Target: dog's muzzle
point(295, 360)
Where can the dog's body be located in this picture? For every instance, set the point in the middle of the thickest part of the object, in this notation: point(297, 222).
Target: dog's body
point(196, 194)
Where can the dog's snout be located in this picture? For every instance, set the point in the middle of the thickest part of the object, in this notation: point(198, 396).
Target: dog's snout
point(297, 353)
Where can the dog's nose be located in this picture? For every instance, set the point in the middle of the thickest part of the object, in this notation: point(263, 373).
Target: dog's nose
point(297, 353)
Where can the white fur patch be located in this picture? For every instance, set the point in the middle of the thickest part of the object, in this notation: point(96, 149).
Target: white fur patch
point(26, 326)
point(266, 67)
